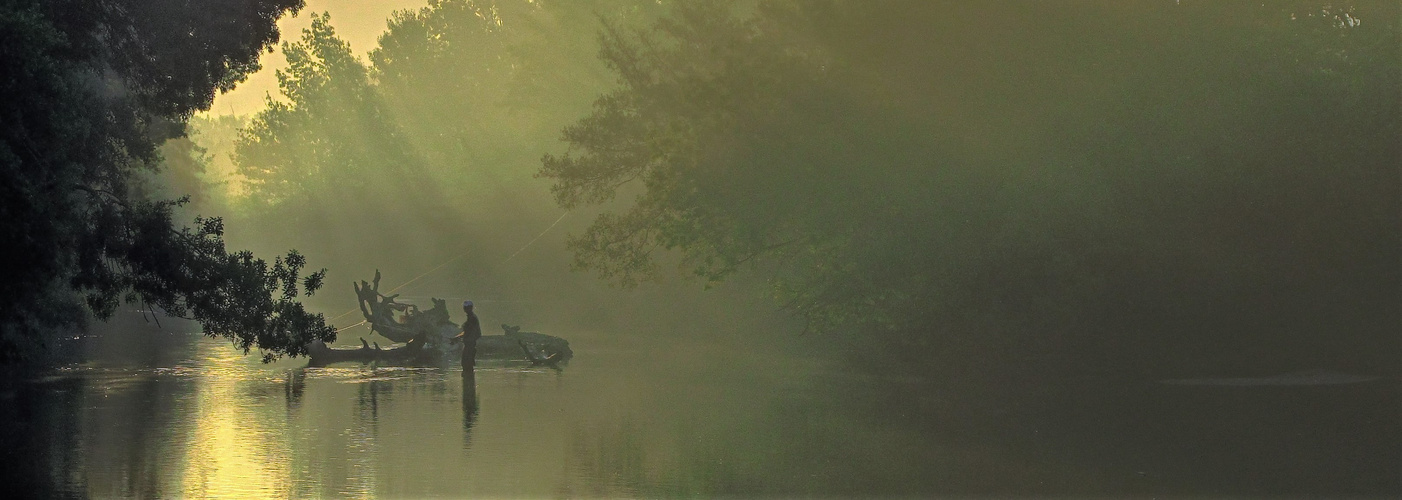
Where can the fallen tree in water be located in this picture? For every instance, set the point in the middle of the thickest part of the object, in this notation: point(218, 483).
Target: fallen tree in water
point(411, 326)
point(425, 336)
point(322, 354)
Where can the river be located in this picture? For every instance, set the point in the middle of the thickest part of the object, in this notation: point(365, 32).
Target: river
point(629, 417)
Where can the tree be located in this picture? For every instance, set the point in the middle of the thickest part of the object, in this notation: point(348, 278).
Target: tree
point(1046, 182)
point(332, 140)
point(92, 89)
point(432, 139)
point(472, 82)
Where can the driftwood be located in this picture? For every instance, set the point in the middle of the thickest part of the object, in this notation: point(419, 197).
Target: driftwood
point(513, 343)
point(322, 354)
point(411, 325)
point(536, 345)
point(425, 336)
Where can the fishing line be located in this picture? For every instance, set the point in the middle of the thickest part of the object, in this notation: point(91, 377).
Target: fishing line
point(508, 259)
point(450, 261)
point(342, 315)
point(352, 326)
point(430, 271)
point(537, 237)
point(406, 283)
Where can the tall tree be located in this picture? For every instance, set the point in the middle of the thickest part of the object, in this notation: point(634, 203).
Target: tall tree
point(92, 88)
point(1066, 181)
point(433, 138)
point(478, 86)
point(328, 165)
point(332, 139)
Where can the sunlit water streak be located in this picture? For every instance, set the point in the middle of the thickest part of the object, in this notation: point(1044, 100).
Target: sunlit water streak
point(217, 423)
point(631, 419)
point(235, 451)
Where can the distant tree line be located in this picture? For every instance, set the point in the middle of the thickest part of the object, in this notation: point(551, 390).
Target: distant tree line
point(1139, 186)
point(1144, 186)
point(425, 148)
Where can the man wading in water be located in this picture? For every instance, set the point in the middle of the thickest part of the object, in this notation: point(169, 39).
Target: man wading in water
point(471, 331)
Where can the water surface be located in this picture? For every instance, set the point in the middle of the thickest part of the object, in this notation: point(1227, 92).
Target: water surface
point(634, 418)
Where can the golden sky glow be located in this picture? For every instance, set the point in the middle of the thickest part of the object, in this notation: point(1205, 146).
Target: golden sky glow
point(358, 22)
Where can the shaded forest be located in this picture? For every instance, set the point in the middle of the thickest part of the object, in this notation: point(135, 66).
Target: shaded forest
point(1146, 188)
point(1157, 187)
point(92, 90)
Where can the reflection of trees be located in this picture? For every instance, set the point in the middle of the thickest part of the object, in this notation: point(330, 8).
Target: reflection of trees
point(39, 449)
point(626, 458)
point(293, 386)
point(609, 459)
point(131, 430)
point(235, 431)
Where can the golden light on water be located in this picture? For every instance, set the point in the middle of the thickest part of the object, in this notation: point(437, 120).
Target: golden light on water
point(234, 452)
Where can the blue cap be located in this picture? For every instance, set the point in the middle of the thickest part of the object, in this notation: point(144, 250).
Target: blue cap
point(467, 303)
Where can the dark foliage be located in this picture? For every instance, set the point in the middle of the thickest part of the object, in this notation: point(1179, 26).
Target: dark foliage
point(1140, 186)
point(91, 89)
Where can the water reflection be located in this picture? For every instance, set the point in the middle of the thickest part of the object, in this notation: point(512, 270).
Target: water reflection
point(42, 447)
point(627, 422)
point(292, 388)
point(469, 406)
point(235, 450)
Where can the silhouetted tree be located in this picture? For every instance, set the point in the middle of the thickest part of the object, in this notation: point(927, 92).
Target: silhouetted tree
point(91, 89)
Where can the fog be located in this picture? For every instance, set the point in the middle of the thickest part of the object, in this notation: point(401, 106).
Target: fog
point(430, 177)
point(989, 199)
point(1102, 184)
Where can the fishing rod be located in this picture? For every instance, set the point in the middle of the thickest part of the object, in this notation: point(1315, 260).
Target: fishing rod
point(449, 261)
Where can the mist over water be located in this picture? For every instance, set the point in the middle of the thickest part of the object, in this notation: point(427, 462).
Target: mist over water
point(799, 249)
point(636, 415)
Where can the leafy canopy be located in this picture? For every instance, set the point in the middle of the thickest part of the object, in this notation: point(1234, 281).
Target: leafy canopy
point(92, 89)
point(1047, 177)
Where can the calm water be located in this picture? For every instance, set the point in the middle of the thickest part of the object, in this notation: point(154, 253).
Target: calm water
point(631, 418)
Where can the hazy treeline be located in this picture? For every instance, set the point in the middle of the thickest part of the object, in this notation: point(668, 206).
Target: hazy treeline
point(1145, 186)
point(422, 152)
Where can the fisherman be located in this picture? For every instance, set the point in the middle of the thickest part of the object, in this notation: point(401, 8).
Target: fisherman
point(471, 331)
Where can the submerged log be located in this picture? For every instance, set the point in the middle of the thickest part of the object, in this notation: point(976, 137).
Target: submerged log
point(322, 354)
point(537, 358)
point(544, 350)
point(425, 336)
point(508, 345)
